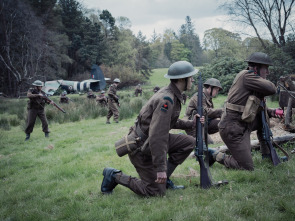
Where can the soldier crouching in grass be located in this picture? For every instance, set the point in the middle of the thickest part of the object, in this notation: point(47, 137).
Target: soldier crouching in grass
point(36, 106)
point(150, 140)
point(211, 89)
point(234, 129)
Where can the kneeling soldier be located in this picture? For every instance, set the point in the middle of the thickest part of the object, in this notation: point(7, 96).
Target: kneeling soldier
point(156, 118)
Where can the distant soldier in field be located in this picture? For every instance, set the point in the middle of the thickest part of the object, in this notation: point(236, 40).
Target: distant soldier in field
point(90, 94)
point(63, 98)
point(211, 89)
point(36, 106)
point(102, 99)
point(235, 131)
point(138, 90)
point(113, 101)
point(156, 89)
point(156, 118)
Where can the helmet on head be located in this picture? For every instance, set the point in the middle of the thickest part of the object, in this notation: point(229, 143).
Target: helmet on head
point(38, 83)
point(102, 92)
point(213, 82)
point(90, 90)
point(117, 80)
point(180, 69)
point(138, 85)
point(259, 58)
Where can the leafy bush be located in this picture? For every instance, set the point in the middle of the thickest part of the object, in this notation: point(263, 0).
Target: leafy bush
point(224, 69)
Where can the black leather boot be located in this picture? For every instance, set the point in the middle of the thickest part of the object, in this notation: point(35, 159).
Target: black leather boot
point(108, 182)
point(27, 137)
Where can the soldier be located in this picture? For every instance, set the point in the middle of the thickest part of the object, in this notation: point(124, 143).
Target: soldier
point(156, 89)
point(113, 99)
point(102, 99)
point(234, 131)
point(156, 118)
point(211, 89)
point(36, 108)
point(138, 90)
point(63, 98)
point(90, 94)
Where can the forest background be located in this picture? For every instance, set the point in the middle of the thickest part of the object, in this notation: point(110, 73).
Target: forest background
point(61, 39)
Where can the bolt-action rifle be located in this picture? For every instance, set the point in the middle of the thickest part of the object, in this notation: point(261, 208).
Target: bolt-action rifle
point(267, 136)
point(205, 179)
point(46, 98)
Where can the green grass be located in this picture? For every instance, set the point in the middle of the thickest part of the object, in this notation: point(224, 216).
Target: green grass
point(63, 183)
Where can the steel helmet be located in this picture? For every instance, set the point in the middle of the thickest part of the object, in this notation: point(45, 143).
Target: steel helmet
point(180, 69)
point(259, 58)
point(102, 92)
point(213, 82)
point(117, 80)
point(90, 90)
point(38, 83)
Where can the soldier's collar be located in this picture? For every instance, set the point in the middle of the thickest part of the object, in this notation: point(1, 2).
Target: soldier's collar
point(176, 91)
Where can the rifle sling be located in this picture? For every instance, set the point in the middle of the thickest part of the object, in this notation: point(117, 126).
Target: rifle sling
point(282, 149)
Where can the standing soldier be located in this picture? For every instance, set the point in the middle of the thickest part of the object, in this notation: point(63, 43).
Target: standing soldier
point(113, 99)
point(156, 118)
point(211, 89)
point(234, 129)
point(138, 90)
point(102, 99)
point(36, 108)
point(63, 98)
point(90, 94)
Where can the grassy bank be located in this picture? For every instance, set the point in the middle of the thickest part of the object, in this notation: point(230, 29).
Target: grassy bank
point(59, 178)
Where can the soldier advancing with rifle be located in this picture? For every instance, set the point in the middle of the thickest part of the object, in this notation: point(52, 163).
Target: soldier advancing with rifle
point(90, 94)
point(243, 114)
point(211, 89)
point(113, 99)
point(156, 118)
point(138, 90)
point(36, 108)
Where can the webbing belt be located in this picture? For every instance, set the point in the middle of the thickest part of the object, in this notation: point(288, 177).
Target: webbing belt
point(139, 132)
point(235, 107)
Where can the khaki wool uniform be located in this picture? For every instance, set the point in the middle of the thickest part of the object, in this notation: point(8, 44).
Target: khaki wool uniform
point(90, 95)
point(233, 130)
point(156, 118)
point(102, 100)
point(138, 90)
point(209, 111)
point(36, 108)
point(113, 99)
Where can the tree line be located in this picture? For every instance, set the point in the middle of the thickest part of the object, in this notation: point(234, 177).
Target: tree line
point(61, 39)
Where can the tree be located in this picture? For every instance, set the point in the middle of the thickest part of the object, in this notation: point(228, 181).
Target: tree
point(271, 15)
point(22, 44)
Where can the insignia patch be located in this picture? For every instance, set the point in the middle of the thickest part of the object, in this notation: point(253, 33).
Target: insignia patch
point(168, 99)
point(164, 107)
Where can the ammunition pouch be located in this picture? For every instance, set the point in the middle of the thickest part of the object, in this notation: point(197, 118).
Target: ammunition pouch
point(251, 109)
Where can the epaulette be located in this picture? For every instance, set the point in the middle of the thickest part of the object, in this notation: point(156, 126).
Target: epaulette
point(168, 99)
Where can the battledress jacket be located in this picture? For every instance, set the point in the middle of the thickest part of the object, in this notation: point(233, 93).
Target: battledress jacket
point(247, 83)
point(157, 117)
point(207, 105)
point(35, 102)
point(112, 93)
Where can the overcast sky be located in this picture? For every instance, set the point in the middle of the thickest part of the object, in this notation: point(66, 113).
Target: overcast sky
point(149, 15)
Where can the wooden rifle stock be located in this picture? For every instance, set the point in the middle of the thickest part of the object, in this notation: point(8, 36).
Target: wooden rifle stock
point(54, 104)
point(205, 180)
point(267, 136)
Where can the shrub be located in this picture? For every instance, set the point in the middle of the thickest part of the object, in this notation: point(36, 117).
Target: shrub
point(4, 123)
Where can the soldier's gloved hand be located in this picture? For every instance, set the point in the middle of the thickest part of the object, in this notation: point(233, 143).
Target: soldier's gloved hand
point(51, 102)
point(161, 177)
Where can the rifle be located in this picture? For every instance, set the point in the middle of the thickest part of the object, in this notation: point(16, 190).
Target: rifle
point(45, 97)
point(267, 136)
point(205, 179)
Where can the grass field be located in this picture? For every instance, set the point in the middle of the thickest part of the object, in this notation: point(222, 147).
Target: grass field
point(59, 178)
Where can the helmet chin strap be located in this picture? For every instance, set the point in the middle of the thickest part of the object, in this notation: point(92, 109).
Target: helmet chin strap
point(211, 92)
point(185, 87)
point(257, 70)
